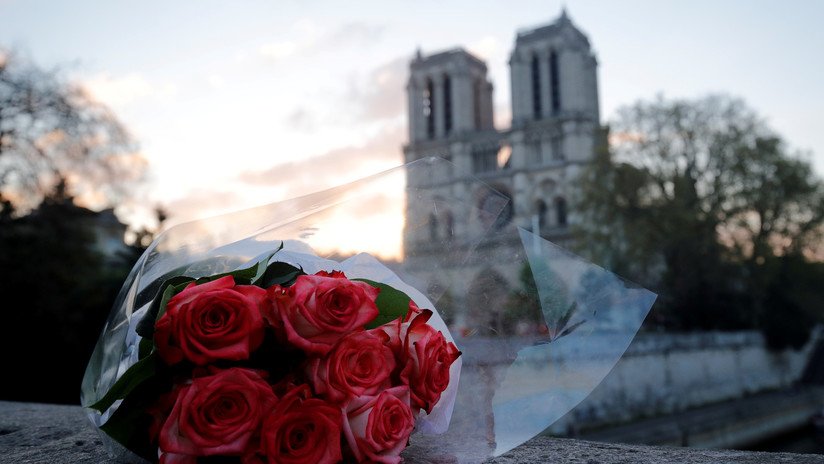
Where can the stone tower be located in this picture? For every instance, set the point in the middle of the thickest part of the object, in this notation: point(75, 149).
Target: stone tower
point(449, 94)
point(534, 163)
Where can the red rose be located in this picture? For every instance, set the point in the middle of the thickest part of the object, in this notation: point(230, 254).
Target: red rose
point(212, 321)
point(423, 356)
point(396, 331)
point(317, 310)
point(377, 428)
point(302, 430)
point(335, 274)
point(219, 414)
point(360, 364)
point(160, 411)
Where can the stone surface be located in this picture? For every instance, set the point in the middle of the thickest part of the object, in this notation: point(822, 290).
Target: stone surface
point(741, 423)
point(40, 433)
point(44, 433)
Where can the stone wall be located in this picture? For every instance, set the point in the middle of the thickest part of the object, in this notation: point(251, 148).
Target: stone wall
point(668, 373)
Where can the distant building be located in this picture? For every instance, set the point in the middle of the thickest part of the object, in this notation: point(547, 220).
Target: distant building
point(109, 234)
point(534, 163)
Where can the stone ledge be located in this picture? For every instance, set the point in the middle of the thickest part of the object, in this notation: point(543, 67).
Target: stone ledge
point(50, 434)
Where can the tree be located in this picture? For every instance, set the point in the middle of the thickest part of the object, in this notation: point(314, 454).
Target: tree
point(57, 287)
point(57, 290)
point(51, 130)
point(693, 198)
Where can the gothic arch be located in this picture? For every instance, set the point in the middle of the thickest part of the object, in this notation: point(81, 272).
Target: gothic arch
point(448, 225)
point(535, 79)
point(499, 200)
point(544, 203)
point(554, 83)
point(486, 302)
point(443, 300)
point(476, 103)
point(433, 227)
point(561, 211)
point(540, 213)
point(546, 189)
point(429, 107)
point(447, 104)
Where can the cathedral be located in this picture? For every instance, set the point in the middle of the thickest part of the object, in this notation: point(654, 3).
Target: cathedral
point(534, 163)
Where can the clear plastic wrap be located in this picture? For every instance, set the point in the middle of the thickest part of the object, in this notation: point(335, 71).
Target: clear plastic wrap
point(538, 327)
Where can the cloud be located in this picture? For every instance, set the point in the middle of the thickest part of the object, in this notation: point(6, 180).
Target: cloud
point(354, 33)
point(301, 119)
point(334, 167)
point(374, 225)
point(305, 26)
point(311, 38)
point(277, 51)
point(489, 48)
point(377, 204)
point(216, 81)
point(378, 96)
point(381, 94)
point(200, 203)
point(119, 91)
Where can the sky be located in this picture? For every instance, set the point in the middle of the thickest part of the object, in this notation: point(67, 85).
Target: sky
point(237, 104)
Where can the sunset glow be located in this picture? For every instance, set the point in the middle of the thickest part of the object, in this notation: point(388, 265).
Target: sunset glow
point(238, 106)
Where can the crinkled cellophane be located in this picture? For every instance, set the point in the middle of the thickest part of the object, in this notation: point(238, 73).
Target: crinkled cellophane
point(539, 327)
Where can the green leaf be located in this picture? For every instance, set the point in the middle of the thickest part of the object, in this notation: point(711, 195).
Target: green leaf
point(391, 302)
point(145, 347)
point(245, 276)
point(279, 273)
point(248, 275)
point(156, 286)
point(145, 328)
point(168, 293)
point(128, 425)
point(137, 374)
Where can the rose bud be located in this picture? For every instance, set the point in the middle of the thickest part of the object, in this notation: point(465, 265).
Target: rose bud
point(423, 356)
point(377, 428)
point(396, 331)
point(335, 274)
point(360, 364)
point(317, 310)
point(220, 414)
point(212, 321)
point(302, 430)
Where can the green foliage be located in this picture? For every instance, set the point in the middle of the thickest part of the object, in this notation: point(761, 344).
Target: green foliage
point(260, 273)
point(57, 285)
point(57, 290)
point(53, 130)
point(447, 307)
point(523, 304)
point(794, 300)
point(145, 380)
point(169, 288)
point(279, 273)
point(391, 303)
point(132, 415)
point(146, 368)
point(693, 199)
point(546, 310)
point(140, 372)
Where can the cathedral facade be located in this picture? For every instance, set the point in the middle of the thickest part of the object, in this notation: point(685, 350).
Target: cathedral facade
point(534, 163)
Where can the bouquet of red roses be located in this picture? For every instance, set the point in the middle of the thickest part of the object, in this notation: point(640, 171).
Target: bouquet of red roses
point(224, 347)
point(271, 364)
